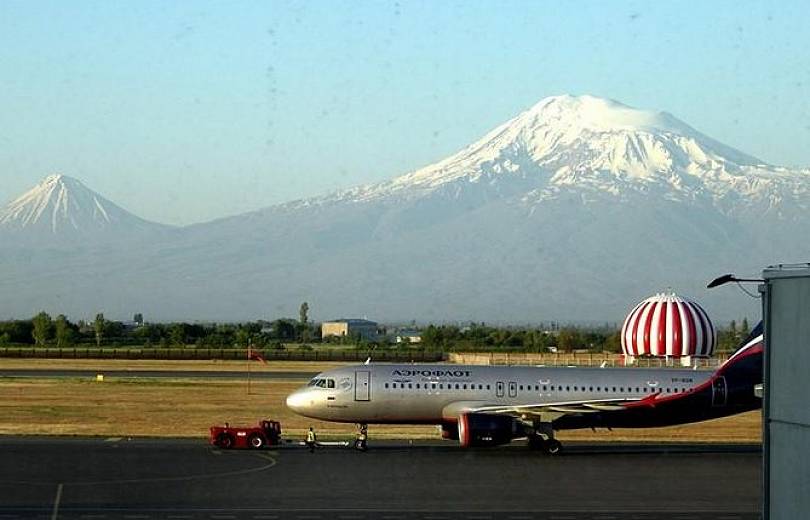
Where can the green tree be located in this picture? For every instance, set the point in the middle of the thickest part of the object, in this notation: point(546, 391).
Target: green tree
point(242, 338)
point(613, 343)
point(63, 331)
point(283, 329)
point(569, 339)
point(20, 331)
point(138, 318)
point(303, 313)
point(745, 329)
point(98, 326)
point(303, 318)
point(42, 328)
point(177, 334)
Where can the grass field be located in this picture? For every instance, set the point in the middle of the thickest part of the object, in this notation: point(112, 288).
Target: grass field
point(187, 407)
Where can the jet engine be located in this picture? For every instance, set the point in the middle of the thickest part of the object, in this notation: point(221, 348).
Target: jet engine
point(450, 431)
point(478, 429)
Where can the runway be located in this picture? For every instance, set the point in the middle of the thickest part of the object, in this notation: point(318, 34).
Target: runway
point(100, 479)
point(155, 374)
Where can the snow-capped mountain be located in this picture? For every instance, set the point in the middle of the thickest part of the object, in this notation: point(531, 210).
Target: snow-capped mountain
point(63, 207)
point(602, 147)
point(576, 209)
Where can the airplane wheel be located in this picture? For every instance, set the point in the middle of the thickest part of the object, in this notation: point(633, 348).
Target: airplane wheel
point(255, 441)
point(553, 447)
point(360, 445)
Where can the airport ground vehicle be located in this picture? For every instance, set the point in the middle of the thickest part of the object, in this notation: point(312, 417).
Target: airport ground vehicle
point(266, 433)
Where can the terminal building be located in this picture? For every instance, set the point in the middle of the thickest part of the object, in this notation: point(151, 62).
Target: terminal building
point(350, 327)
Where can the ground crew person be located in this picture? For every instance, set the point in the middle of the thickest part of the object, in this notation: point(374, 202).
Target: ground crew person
point(311, 440)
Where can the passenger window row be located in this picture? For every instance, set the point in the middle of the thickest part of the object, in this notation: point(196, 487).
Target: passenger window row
point(434, 386)
point(537, 388)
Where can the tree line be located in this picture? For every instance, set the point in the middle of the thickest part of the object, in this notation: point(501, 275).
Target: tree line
point(43, 330)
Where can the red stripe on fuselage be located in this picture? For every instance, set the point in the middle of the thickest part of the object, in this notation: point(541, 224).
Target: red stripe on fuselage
point(653, 400)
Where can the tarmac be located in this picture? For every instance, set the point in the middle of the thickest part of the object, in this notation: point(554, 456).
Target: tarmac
point(186, 479)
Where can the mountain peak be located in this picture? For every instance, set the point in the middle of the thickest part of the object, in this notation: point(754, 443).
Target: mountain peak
point(60, 205)
point(593, 113)
point(585, 141)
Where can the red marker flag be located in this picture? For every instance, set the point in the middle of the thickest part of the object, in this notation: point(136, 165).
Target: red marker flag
point(255, 355)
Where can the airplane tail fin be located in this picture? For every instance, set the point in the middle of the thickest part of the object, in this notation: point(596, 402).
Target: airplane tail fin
point(744, 367)
point(754, 340)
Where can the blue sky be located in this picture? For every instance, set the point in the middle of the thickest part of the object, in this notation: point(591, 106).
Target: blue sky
point(187, 111)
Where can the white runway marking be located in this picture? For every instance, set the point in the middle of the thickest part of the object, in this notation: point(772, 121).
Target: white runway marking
point(56, 501)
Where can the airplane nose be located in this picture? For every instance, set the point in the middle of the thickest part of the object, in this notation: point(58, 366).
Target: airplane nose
point(296, 401)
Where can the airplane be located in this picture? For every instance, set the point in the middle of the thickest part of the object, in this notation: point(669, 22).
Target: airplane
point(494, 405)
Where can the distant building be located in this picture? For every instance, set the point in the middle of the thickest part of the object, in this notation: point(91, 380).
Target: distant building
point(409, 336)
point(130, 325)
point(365, 329)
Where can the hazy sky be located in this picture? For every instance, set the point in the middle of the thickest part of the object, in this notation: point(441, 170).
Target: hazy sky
point(188, 111)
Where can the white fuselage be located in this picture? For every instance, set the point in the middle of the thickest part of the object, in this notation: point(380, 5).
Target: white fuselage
point(433, 394)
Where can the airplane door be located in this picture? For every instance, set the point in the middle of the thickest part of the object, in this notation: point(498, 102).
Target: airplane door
point(362, 385)
point(719, 392)
point(512, 389)
point(499, 389)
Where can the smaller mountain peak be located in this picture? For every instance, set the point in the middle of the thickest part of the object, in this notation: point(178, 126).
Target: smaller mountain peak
point(59, 178)
point(52, 179)
point(61, 205)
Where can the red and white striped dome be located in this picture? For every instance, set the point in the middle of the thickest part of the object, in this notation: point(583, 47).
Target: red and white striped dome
point(668, 325)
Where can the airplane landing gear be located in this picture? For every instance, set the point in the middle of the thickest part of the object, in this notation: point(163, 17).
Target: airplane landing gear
point(553, 446)
point(543, 439)
point(361, 439)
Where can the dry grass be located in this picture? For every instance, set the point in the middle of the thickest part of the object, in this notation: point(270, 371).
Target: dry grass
point(122, 407)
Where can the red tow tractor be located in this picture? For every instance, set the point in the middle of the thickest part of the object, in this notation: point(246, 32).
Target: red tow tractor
point(266, 433)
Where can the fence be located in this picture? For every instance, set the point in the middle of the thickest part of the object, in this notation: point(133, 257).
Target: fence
point(573, 359)
point(349, 355)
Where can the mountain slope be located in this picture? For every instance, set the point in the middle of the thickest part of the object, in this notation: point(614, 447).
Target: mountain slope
point(573, 210)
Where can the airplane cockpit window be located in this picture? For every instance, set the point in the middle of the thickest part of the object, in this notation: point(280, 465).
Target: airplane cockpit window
point(330, 383)
point(322, 383)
